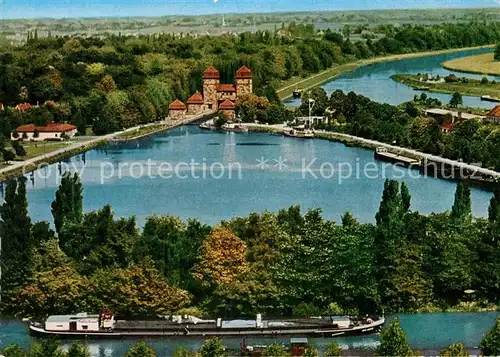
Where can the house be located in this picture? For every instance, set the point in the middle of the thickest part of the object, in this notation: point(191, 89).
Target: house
point(177, 110)
point(447, 126)
point(195, 104)
point(51, 131)
point(494, 115)
point(23, 107)
point(228, 109)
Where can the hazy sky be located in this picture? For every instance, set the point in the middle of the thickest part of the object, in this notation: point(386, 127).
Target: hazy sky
point(86, 8)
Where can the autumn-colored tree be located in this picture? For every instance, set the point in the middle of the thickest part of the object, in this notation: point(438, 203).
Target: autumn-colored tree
point(139, 289)
point(222, 260)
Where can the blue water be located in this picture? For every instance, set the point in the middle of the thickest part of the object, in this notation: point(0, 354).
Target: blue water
point(374, 80)
point(316, 174)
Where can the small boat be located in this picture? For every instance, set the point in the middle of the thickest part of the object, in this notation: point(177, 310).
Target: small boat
point(422, 88)
point(297, 93)
point(208, 125)
point(105, 325)
point(489, 98)
point(300, 133)
point(234, 128)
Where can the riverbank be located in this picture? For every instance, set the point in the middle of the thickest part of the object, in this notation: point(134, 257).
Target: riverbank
point(351, 140)
point(304, 84)
point(479, 64)
point(472, 87)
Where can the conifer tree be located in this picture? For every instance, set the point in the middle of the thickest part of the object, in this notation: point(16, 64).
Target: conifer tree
point(68, 204)
point(15, 228)
point(405, 197)
point(461, 211)
point(393, 341)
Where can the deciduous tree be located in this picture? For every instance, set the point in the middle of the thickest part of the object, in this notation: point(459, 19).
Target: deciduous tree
point(393, 341)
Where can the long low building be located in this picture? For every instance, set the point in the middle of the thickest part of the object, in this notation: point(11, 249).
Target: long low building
point(51, 131)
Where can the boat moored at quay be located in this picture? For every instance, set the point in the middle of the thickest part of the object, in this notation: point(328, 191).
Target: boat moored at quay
point(106, 326)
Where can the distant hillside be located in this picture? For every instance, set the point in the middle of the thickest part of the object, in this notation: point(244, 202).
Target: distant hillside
point(212, 24)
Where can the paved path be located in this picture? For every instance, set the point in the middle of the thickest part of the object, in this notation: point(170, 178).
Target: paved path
point(398, 149)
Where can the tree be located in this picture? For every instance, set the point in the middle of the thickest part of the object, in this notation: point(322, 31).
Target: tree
point(405, 197)
point(455, 350)
point(213, 348)
point(182, 351)
point(274, 350)
point(311, 351)
point(8, 156)
point(393, 341)
point(68, 204)
point(78, 350)
point(222, 260)
point(18, 148)
point(333, 350)
point(15, 233)
point(13, 350)
point(490, 345)
point(494, 215)
point(46, 348)
point(497, 52)
point(461, 212)
point(141, 349)
point(456, 100)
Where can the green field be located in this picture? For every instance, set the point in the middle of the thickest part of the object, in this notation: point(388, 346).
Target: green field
point(472, 87)
point(481, 64)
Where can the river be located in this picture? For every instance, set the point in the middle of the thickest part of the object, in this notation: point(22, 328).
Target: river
point(188, 172)
point(374, 81)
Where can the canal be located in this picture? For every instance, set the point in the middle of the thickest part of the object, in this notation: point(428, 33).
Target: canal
point(374, 81)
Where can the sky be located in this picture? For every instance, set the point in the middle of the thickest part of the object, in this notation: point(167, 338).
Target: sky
point(97, 8)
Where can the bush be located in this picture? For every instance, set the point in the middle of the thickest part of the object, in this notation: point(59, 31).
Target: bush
point(455, 350)
point(274, 350)
point(484, 80)
point(333, 350)
point(305, 309)
point(213, 348)
point(8, 155)
point(393, 341)
point(490, 345)
point(141, 350)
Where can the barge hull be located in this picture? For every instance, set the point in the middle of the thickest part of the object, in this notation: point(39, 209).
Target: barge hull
point(123, 334)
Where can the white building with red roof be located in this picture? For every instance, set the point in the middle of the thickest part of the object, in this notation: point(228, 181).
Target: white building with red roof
point(51, 131)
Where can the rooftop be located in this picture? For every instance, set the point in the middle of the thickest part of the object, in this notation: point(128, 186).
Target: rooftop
point(438, 111)
point(495, 112)
point(211, 73)
point(196, 98)
point(243, 72)
point(49, 128)
point(227, 104)
point(68, 318)
point(177, 105)
point(226, 88)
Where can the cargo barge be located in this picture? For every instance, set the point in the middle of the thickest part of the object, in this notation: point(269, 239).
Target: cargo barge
point(105, 326)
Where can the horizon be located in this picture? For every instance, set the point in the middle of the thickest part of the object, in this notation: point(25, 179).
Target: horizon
point(98, 9)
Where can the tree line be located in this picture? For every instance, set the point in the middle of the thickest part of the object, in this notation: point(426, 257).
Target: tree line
point(279, 264)
point(473, 141)
point(121, 81)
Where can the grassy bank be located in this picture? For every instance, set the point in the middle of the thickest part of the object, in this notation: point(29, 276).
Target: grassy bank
point(317, 79)
point(142, 132)
point(480, 64)
point(472, 87)
point(47, 161)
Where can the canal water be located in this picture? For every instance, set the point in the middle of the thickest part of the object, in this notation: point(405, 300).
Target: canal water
point(374, 81)
point(189, 172)
point(425, 331)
